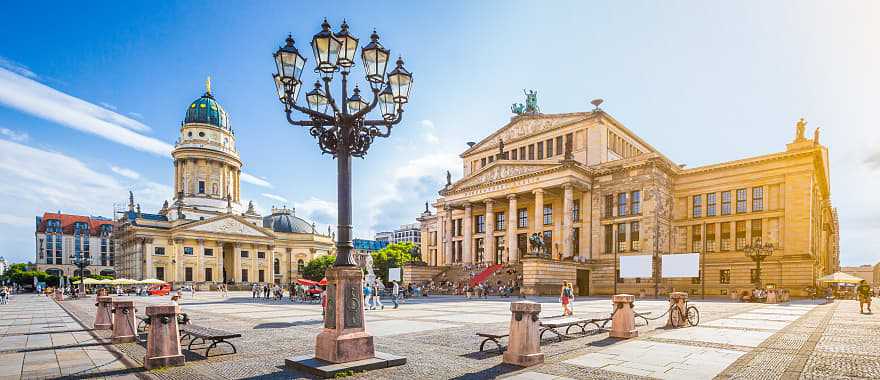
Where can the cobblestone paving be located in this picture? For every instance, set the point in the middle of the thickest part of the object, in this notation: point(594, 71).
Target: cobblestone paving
point(438, 338)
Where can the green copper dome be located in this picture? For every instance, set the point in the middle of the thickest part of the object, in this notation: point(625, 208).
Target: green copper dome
point(206, 110)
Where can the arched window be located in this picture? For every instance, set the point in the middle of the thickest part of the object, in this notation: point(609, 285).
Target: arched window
point(300, 266)
point(277, 266)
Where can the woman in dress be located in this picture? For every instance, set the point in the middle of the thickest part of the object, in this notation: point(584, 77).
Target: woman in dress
point(566, 296)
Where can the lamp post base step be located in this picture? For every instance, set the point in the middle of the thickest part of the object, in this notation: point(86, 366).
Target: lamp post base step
point(324, 369)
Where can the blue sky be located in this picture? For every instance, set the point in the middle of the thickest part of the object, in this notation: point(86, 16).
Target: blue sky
point(92, 94)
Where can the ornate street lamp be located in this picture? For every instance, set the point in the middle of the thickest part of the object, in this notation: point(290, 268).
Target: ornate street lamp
point(758, 252)
point(344, 131)
point(81, 262)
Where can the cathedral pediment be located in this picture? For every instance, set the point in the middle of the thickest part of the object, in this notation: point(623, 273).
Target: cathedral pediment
point(501, 170)
point(228, 225)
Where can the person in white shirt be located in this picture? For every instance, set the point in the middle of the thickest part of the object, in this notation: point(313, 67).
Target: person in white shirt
point(395, 292)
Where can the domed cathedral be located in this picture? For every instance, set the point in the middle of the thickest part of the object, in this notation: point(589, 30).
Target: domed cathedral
point(205, 236)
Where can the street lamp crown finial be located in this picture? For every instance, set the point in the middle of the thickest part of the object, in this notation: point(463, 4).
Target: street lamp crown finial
point(325, 25)
point(374, 36)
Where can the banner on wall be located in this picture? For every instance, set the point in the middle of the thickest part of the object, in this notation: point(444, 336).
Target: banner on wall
point(394, 274)
point(635, 266)
point(681, 265)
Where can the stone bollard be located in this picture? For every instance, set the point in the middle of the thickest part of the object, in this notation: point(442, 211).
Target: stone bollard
point(772, 296)
point(124, 327)
point(103, 315)
point(59, 295)
point(525, 342)
point(623, 324)
point(163, 342)
point(103, 292)
point(675, 318)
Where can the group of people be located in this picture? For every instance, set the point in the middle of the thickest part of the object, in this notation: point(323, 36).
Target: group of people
point(373, 294)
point(275, 291)
point(5, 293)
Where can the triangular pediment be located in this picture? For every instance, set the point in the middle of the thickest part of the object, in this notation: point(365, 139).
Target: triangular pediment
point(523, 126)
point(500, 170)
point(227, 225)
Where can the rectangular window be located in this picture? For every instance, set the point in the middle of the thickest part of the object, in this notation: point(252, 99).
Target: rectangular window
point(540, 150)
point(621, 204)
point(710, 237)
point(483, 162)
point(725, 236)
point(188, 274)
point(209, 252)
point(569, 140)
point(753, 275)
point(756, 230)
point(522, 153)
point(698, 206)
point(478, 243)
point(757, 198)
point(522, 218)
point(559, 148)
point(549, 148)
point(576, 241)
point(481, 223)
point(619, 279)
point(188, 251)
point(740, 200)
point(548, 214)
point(159, 251)
point(696, 239)
point(636, 202)
point(261, 255)
point(548, 242)
point(532, 151)
point(244, 275)
point(710, 204)
point(609, 238)
point(513, 154)
point(576, 210)
point(245, 254)
point(201, 187)
point(634, 240)
point(725, 203)
point(740, 235)
point(261, 274)
point(491, 159)
point(499, 221)
point(160, 273)
point(725, 276)
point(609, 205)
point(621, 237)
point(209, 274)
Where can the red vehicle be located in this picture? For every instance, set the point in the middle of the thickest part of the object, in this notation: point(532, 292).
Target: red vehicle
point(159, 290)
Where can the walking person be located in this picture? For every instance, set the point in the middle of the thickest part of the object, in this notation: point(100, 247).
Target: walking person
point(395, 293)
point(193, 291)
point(864, 292)
point(377, 295)
point(255, 290)
point(566, 297)
point(368, 299)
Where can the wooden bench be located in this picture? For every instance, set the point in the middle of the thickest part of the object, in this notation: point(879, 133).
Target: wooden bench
point(553, 324)
point(493, 338)
point(216, 336)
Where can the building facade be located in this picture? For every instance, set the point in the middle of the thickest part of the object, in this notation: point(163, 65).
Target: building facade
point(407, 233)
point(592, 190)
point(4, 265)
point(205, 235)
point(385, 236)
point(61, 238)
point(870, 273)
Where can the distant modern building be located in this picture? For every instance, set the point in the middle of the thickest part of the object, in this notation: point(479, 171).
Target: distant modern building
point(385, 236)
point(3, 265)
point(407, 233)
point(60, 238)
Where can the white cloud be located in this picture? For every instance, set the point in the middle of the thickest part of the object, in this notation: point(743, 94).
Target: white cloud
point(254, 180)
point(136, 115)
point(275, 197)
point(128, 173)
point(17, 68)
point(16, 220)
point(429, 135)
point(13, 135)
point(108, 106)
point(317, 210)
point(39, 100)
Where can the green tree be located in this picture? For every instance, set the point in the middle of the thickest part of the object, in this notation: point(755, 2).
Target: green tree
point(316, 267)
point(392, 256)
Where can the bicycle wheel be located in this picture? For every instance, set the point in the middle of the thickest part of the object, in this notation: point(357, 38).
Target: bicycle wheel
point(693, 315)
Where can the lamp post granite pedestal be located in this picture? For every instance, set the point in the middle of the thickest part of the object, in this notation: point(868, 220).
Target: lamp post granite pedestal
point(163, 343)
point(525, 341)
point(623, 323)
point(123, 322)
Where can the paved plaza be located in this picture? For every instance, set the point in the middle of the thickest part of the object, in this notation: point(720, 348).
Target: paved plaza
point(40, 339)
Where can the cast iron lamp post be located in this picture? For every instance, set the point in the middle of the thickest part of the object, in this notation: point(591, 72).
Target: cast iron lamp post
point(758, 252)
point(343, 130)
point(81, 262)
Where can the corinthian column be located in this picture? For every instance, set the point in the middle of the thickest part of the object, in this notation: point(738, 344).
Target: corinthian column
point(489, 253)
point(512, 220)
point(468, 256)
point(567, 208)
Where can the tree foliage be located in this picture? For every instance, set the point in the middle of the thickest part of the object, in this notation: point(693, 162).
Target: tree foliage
point(19, 274)
point(315, 268)
point(392, 256)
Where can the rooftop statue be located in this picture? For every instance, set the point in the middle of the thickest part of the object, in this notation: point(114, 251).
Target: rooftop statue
point(531, 106)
